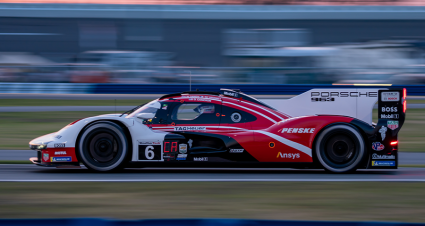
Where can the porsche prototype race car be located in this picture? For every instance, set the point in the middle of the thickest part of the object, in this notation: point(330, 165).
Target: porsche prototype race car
point(321, 128)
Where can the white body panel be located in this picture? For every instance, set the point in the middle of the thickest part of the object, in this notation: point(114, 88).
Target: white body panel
point(356, 103)
point(69, 134)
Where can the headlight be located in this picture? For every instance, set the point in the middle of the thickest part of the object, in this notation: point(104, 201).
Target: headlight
point(38, 146)
point(42, 146)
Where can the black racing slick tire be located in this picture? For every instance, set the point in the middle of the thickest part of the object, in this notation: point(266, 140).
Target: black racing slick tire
point(103, 147)
point(340, 148)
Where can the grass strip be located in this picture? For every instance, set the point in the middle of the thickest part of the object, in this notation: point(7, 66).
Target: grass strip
point(15, 161)
point(47, 102)
point(18, 128)
point(339, 201)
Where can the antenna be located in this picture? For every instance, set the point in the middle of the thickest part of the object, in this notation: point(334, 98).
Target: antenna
point(190, 80)
point(115, 105)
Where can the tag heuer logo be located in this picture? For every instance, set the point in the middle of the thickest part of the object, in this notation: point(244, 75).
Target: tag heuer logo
point(392, 125)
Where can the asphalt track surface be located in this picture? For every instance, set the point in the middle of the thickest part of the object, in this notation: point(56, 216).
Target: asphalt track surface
point(405, 158)
point(32, 173)
point(29, 172)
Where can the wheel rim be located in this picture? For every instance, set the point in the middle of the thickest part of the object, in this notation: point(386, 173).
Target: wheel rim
point(340, 149)
point(103, 147)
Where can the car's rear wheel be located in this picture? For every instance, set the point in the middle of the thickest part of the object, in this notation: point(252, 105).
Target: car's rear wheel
point(340, 148)
point(103, 147)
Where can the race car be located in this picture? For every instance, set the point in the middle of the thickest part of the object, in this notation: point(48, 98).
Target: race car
point(330, 129)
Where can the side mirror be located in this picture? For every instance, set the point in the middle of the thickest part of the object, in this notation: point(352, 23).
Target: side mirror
point(146, 115)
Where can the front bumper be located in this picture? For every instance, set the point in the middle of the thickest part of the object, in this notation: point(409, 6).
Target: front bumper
point(47, 157)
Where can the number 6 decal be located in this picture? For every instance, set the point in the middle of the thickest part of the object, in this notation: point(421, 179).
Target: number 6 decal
point(150, 151)
point(149, 154)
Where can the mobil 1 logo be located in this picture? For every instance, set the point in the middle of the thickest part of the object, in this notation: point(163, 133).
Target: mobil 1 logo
point(149, 151)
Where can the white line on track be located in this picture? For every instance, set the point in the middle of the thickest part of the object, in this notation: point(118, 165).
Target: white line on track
point(224, 180)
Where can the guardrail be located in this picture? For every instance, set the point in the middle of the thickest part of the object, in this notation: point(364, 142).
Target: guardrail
point(233, 12)
point(105, 88)
point(190, 222)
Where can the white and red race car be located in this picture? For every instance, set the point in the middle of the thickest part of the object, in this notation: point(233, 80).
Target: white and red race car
point(321, 128)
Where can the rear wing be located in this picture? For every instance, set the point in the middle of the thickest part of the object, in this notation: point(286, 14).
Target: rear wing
point(353, 102)
point(392, 109)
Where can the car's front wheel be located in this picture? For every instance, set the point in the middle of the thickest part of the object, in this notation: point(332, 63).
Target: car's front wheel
point(103, 146)
point(340, 148)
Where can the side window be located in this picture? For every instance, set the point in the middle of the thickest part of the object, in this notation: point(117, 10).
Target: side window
point(192, 111)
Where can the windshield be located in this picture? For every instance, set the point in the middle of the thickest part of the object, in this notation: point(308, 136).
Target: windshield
point(150, 107)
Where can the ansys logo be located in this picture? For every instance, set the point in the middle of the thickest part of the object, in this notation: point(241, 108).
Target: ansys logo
point(288, 155)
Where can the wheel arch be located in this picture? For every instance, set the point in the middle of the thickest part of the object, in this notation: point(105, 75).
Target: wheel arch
point(362, 132)
point(119, 123)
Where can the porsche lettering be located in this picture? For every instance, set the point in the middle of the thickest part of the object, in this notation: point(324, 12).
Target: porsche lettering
point(344, 94)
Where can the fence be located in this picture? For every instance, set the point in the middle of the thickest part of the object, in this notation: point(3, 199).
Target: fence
point(189, 222)
point(260, 89)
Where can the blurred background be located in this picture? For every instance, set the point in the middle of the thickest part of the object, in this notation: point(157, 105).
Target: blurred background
point(214, 41)
point(53, 49)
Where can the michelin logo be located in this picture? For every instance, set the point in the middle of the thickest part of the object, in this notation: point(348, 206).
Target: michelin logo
point(383, 163)
point(61, 159)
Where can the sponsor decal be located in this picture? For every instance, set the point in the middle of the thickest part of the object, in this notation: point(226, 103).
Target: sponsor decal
point(61, 159)
point(149, 150)
point(186, 128)
point(377, 146)
point(183, 148)
point(58, 137)
point(376, 156)
point(200, 99)
point(181, 156)
point(383, 131)
point(59, 145)
point(390, 116)
point(169, 156)
point(60, 152)
point(236, 150)
point(298, 130)
point(200, 159)
point(390, 96)
point(320, 99)
point(149, 143)
point(392, 125)
point(45, 157)
point(383, 163)
point(164, 106)
point(232, 94)
point(236, 117)
point(288, 155)
point(343, 94)
point(389, 109)
point(190, 143)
